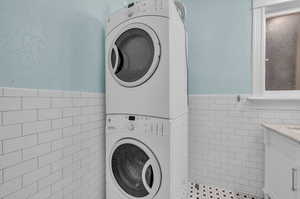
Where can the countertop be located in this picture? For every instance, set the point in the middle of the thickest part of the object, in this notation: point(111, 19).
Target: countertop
point(290, 131)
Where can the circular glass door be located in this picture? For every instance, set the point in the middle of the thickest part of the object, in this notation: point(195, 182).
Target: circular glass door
point(135, 169)
point(134, 55)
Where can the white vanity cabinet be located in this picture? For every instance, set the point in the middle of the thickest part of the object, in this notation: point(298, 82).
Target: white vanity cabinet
point(282, 163)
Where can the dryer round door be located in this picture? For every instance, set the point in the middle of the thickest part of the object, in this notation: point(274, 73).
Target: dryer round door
point(134, 55)
point(135, 169)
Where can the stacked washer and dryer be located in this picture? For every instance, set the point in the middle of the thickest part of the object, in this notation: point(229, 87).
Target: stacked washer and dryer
point(146, 102)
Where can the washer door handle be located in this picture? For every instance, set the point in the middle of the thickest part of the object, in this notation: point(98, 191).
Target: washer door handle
point(116, 66)
point(146, 166)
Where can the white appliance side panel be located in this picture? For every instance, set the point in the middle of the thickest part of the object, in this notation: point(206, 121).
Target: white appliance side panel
point(179, 157)
point(178, 70)
point(151, 98)
point(173, 13)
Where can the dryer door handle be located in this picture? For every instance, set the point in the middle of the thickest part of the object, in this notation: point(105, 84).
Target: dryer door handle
point(116, 66)
point(156, 178)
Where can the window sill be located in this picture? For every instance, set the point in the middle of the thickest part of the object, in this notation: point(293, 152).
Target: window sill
point(273, 98)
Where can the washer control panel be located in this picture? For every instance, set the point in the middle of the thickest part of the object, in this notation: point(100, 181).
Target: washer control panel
point(136, 124)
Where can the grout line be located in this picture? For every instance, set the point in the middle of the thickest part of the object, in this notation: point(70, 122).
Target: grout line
point(51, 102)
point(22, 154)
point(37, 115)
point(2, 118)
point(37, 139)
point(2, 171)
point(22, 130)
point(22, 181)
point(22, 101)
point(2, 147)
point(38, 163)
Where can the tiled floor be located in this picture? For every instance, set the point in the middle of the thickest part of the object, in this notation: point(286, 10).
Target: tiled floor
point(198, 191)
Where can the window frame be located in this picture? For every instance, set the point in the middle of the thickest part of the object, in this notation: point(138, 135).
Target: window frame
point(259, 49)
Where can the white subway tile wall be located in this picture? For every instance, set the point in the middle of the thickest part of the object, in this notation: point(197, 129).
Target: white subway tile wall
point(51, 144)
point(226, 139)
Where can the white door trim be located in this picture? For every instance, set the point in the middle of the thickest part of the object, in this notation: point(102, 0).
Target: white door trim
point(264, 3)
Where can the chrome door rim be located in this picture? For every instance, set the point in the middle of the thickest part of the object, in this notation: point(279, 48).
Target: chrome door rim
point(152, 158)
point(156, 57)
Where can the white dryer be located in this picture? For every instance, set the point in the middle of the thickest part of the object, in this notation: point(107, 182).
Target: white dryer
point(146, 158)
point(146, 69)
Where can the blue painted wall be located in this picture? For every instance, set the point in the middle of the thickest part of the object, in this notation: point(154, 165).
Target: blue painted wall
point(115, 5)
point(57, 44)
point(219, 46)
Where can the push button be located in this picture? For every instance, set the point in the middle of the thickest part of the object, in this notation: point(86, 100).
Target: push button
point(130, 14)
point(157, 130)
point(161, 130)
point(151, 128)
point(131, 127)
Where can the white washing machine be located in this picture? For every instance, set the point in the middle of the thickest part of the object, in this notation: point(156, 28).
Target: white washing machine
point(146, 68)
point(146, 158)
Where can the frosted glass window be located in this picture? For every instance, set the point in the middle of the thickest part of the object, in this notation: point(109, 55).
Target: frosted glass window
point(283, 53)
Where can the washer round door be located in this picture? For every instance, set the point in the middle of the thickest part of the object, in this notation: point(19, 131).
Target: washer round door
point(134, 55)
point(135, 169)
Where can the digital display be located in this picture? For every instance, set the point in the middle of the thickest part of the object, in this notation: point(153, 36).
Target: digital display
point(131, 118)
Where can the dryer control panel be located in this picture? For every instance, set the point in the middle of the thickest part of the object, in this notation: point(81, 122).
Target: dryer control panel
point(145, 6)
point(137, 124)
point(139, 9)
